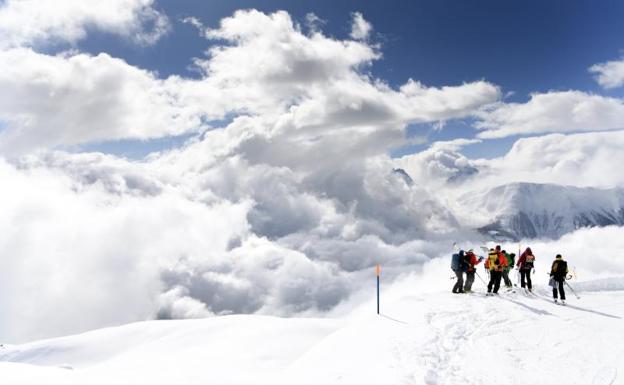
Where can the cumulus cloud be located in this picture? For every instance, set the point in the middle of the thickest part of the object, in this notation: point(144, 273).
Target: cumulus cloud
point(440, 165)
point(107, 251)
point(609, 74)
point(313, 22)
point(360, 28)
point(82, 258)
point(582, 160)
point(586, 159)
point(28, 23)
point(565, 111)
point(319, 79)
point(50, 101)
point(262, 67)
point(588, 251)
point(281, 210)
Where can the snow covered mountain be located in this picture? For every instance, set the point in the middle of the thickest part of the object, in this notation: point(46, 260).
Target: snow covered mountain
point(529, 210)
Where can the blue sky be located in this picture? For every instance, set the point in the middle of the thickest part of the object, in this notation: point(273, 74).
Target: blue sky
point(522, 46)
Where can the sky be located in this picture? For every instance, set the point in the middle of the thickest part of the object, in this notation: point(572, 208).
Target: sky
point(179, 159)
point(523, 47)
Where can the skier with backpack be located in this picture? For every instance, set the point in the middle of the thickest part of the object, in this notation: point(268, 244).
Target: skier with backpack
point(471, 261)
point(495, 263)
point(525, 265)
point(457, 265)
point(510, 262)
point(558, 273)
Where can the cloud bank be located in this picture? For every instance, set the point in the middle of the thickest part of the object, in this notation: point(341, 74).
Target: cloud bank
point(282, 209)
point(27, 23)
point(565, 111)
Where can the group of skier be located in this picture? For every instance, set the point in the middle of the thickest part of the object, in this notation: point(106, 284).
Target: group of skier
point(498, 264)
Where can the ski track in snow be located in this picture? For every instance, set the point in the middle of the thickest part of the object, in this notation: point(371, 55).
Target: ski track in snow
point(469, 334)
point(432, 339)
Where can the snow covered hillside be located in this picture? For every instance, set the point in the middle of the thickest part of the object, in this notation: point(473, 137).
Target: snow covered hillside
point(530, 210)
point(426, 335)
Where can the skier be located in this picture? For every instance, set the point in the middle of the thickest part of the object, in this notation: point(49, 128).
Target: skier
point(510, 262)
point(525, 265)
point(495, 264)
point(558, 272)
point(456, 266)
point(472, 261)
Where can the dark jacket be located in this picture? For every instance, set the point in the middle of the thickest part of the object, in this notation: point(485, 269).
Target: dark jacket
point(559, 269)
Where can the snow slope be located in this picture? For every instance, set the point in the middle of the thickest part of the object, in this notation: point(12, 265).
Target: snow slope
point(531, 210)
point(426, 335)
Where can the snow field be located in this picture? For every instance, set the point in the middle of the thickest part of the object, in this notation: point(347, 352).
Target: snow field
point(425, 335)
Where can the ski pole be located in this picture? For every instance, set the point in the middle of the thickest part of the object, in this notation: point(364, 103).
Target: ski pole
point(570, 287)
point(480, 278)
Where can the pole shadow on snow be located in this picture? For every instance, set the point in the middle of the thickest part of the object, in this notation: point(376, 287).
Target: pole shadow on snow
point(549, 300)
point(393, 319)
point(532, 309)
point(592, 311)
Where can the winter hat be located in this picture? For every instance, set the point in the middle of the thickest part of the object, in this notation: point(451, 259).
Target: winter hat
point(471, 251)
point(558, 256)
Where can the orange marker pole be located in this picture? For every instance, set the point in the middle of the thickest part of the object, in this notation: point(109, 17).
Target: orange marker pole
point(378, 273)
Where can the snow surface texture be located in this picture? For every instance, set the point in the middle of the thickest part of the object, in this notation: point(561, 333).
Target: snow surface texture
point(425, 335)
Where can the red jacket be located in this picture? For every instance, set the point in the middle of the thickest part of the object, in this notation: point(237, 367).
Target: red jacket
point(473, 262)
point(523, 259)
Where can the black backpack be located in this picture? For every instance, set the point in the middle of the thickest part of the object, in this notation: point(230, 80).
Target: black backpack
point(561, 268)
point(457, 261)
point(465, 263)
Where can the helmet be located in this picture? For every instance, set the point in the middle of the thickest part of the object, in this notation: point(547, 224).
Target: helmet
point(558, 256)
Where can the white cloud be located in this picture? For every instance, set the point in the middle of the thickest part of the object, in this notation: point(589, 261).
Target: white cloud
point(455, 144)
point(27, 23)
point(439, 165)
point(587, 159)
point(565, 111)
point(289, 84)
point(582, 160)
point(277, 212)
point(108, 249)
point(47, 101)
point(360, 28)
point(589, 252)
point(609, 74)
point(82, 257)
point(313, 22)
point(195, 22)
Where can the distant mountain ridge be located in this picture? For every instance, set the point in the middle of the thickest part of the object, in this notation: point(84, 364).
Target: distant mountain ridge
point(531, 210)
